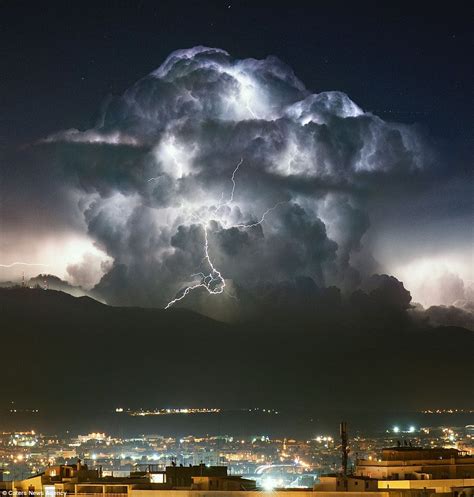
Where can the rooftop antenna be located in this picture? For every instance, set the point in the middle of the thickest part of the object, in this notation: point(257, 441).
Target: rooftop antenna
point(344, 448)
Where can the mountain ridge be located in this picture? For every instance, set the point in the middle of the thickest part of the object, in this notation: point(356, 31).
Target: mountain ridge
point(60, 350)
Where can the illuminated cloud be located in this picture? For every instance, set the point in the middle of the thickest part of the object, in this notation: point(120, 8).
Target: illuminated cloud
point(157, 172)
point(437, 280)
point(91, 136)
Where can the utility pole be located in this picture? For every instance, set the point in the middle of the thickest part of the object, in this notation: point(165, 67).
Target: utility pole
point(344, 448)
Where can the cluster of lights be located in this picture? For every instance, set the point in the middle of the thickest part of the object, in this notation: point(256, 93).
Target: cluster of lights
point(164, 412)
point(99, 437)
point(268, 411)
point(24, 439)
point(263, 438)
point(449, 434)
point(397, 429)
point(24, 410)
point(321, 438)
point(448, 411)
point(372, 458)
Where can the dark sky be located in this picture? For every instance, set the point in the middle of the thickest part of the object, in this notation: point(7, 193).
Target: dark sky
point(404, 63)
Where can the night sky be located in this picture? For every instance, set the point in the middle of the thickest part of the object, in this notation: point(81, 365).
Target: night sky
point(61, 61)
point(63, 65)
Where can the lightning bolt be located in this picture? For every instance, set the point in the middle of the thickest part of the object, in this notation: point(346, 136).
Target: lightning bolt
point(231, 199)
point(213, 282)
point(252, 225)
point(22, 264)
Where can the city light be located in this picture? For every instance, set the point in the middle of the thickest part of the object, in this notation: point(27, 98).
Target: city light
point(269, 484)
point(273, 463)
point(171, 411)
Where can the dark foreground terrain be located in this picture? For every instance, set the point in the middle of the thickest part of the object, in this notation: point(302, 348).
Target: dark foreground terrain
point(74, 354)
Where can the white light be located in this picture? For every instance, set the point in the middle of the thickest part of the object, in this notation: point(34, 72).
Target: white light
point(157, 478)
point(268, 484)
point(396, 429)
point(427, 277)
point(175, 157)
point(411, 429)
point(56, 253)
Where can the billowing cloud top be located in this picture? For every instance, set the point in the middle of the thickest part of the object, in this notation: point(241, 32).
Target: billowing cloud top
point(228, 174)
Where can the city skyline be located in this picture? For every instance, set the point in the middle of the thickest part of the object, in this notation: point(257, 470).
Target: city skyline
point(269, 460)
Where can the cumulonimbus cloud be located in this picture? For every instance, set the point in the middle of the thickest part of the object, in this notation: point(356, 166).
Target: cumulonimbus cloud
point(158, 173)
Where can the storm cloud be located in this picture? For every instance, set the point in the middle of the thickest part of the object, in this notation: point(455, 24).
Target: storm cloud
point(238, 153)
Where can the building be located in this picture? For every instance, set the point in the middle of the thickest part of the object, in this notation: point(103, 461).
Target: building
point(417, 463)
point(406, 472)
point(222, 483)
point(65, 478)
point(341, 483)
point(420, 479)
point(182, 476)
point(78, 479)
